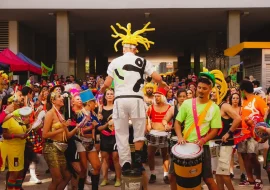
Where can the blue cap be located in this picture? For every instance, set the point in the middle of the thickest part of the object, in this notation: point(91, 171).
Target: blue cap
point(87, 95)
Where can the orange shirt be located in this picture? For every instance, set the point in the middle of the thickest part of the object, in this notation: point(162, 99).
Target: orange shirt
point(253, 106)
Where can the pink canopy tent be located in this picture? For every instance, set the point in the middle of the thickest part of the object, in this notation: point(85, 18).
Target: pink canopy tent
point(16, 64)
point(13, 66)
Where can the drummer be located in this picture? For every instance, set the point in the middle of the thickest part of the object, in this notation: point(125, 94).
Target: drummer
point(230, 121)
point(209, 114)
point(149, 94)
point(156, 113)
point(171, 114)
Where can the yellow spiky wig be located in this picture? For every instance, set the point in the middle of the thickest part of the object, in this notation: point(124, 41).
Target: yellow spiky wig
point(3, 80)
point(220, 86)
point(149, 85)
point(132, 39)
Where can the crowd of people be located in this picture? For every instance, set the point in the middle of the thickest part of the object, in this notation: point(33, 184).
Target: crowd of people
point(92, 148)
point(83, 129)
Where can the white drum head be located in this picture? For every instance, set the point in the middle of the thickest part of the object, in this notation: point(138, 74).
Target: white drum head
point(188, 150)
point(25, 111)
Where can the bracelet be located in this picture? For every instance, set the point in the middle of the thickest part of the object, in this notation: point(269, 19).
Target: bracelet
point(204, 141)
point(230, 132)
point(12, 136)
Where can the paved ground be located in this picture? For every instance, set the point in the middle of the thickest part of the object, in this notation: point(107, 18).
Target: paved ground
point(159, 185)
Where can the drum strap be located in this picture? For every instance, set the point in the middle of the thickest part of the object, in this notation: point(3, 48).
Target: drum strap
point(197, 120)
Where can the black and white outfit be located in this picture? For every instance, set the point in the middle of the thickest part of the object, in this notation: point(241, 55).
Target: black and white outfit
point(128, 72)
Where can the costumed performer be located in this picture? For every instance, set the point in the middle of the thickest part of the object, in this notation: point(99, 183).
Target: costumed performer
point(148, 90)
point(55, 133)
point(128, 73)
point(85, 146)
point(15, 131)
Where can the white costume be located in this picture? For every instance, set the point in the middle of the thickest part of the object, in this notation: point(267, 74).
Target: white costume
point(128, 72)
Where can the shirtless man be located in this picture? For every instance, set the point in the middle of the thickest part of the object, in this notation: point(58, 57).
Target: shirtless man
point(156, 113)
point(148, 96)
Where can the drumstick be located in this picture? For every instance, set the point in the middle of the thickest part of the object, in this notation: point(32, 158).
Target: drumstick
point(240, 128)
point(30, 129)
point(221, 139)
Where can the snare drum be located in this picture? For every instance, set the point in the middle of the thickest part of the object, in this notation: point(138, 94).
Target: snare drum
point(173, 141)
point(261, 137)
point(187, 160)
point(214, 149)
point(156, 137)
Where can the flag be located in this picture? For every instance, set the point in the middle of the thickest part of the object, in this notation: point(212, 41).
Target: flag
point(233, 72)
point(10, 77)
point(46, 71)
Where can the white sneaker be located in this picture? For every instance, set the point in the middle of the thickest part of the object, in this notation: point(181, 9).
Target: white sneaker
point(35, 180)
point(88, 180)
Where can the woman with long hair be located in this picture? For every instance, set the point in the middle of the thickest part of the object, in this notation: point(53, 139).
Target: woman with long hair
point(235, 101)
point(55, 133)
point(171, 114)
point(108, 141)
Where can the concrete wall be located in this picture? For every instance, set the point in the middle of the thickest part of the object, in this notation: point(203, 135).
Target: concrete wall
point(37, 47)
point(26, 40)
point(125, 4)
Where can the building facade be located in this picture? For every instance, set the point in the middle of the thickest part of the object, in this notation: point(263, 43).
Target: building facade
point(66, 33)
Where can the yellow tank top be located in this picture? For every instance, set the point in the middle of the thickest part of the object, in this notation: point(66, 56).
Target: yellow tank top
point(58, 125)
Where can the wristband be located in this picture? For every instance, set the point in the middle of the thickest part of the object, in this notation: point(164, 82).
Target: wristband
point(204, 141)
point(12, 136)
point(230, 132)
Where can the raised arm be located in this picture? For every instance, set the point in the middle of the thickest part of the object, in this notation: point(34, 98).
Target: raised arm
point(107, 83)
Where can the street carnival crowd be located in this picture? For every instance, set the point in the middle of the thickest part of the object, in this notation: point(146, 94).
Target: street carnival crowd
point(83, 129)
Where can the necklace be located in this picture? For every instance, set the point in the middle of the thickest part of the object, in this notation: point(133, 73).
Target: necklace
point(58, 114)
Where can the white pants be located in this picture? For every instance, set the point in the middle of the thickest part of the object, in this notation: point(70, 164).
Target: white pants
point(125, 108)
point(224, 160)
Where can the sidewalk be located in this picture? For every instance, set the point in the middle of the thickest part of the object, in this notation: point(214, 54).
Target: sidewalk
point(159, 185)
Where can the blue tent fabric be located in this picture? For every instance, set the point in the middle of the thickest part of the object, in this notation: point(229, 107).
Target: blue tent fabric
point(28, 60)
